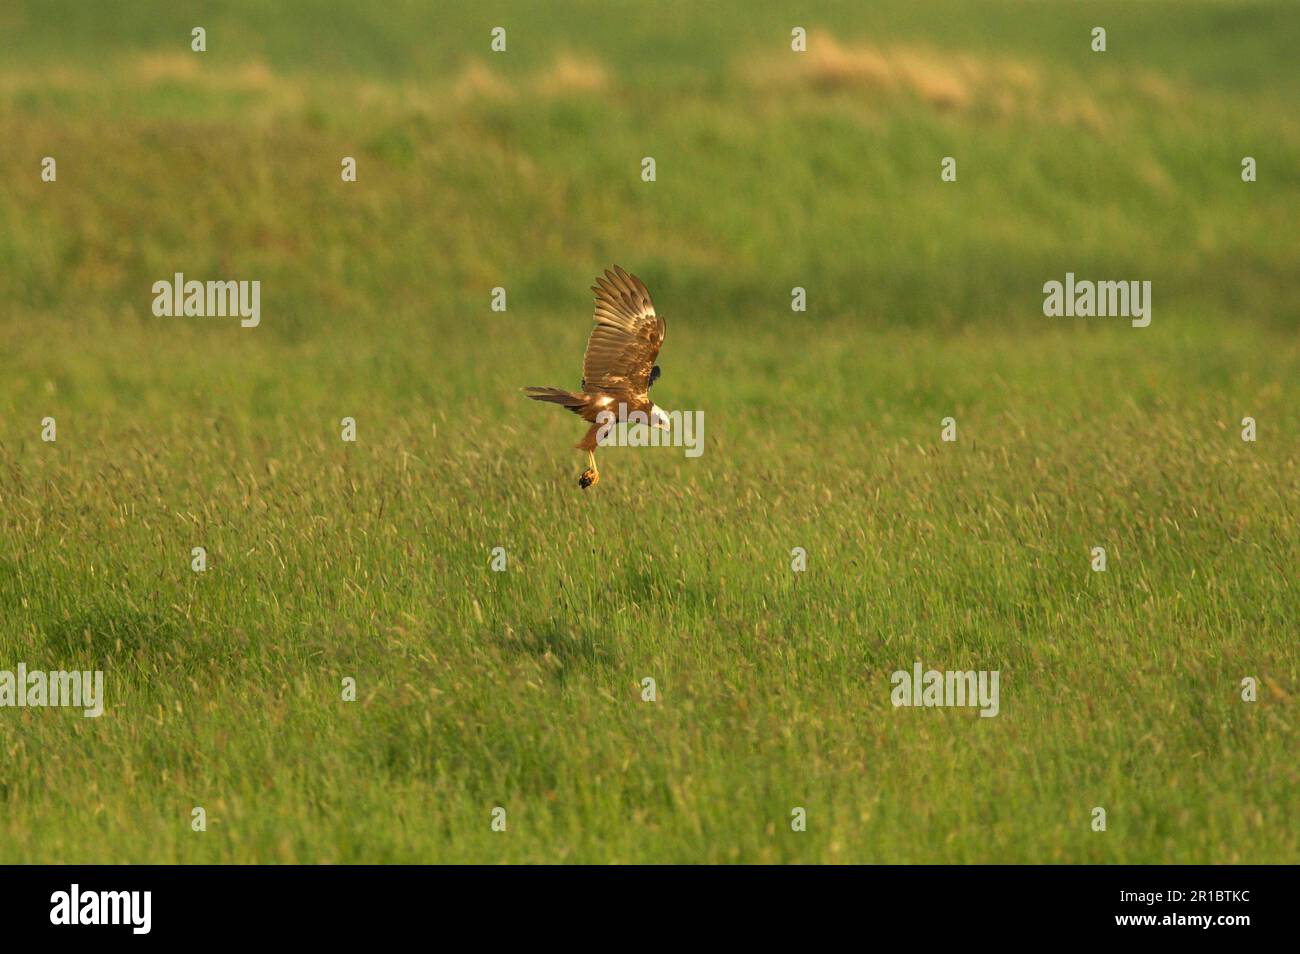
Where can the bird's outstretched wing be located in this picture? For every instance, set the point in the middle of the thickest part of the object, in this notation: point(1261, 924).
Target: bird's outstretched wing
point(625, 342)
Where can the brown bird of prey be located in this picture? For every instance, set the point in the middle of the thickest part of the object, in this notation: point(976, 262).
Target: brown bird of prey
point(619, 365)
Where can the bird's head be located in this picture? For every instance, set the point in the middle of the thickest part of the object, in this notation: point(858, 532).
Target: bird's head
point(658, 418)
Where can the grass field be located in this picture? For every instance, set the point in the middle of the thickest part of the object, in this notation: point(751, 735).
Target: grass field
point(522, 689)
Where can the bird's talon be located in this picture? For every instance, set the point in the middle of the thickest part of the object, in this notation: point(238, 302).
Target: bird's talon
point(588, 478)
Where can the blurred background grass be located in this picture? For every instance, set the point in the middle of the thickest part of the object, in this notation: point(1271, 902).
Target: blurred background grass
point(775, 169)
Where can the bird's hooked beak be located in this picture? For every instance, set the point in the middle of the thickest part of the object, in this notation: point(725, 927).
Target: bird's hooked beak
point(658, 418)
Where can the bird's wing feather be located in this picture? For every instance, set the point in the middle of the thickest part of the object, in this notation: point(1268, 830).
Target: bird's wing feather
point(627, 337)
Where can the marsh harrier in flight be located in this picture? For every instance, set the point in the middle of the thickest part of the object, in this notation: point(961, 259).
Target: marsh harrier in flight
point(619, 365)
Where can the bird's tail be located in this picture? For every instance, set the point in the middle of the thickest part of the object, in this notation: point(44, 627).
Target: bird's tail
point(574, 402)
